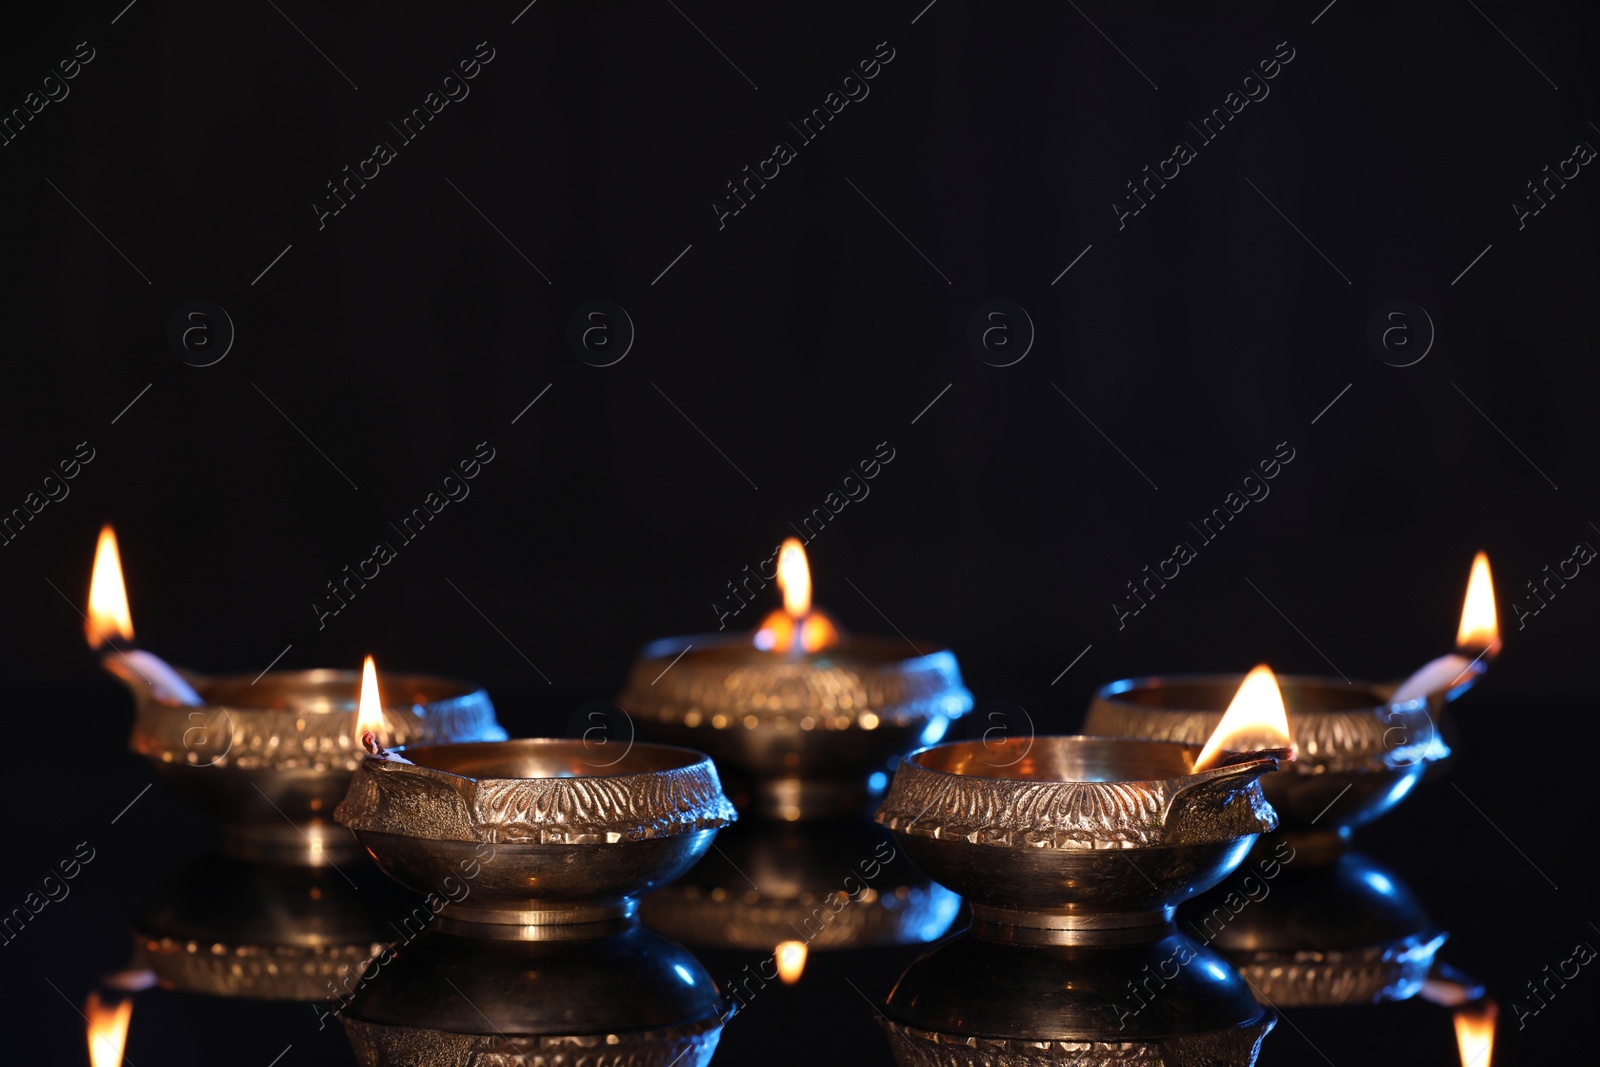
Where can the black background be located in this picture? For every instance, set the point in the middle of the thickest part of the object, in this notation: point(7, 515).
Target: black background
point(797, 338)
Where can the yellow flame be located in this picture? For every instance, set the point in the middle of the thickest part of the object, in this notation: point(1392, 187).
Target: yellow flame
point(108, 1029)
point(369, 714)
point(108, 596)
point(1475, 1033)
point(791, 957)
point(1480, 626)
point(794, 578)
point(1255, 720)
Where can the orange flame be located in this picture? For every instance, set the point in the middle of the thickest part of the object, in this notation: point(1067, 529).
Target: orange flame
point(1480, 627)
point(1255, 720)
point(369, 713)
point(794, 578)
point(108, 597)
point(108, 1029)
point(791, 958)
point(1475, 1033)
point(795, 625)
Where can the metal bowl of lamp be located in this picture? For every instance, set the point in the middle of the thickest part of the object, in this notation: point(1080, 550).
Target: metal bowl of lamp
point(1075, 834)
point(272, 755)
point(1356, 754)
point(519, 835)
point(809, 734)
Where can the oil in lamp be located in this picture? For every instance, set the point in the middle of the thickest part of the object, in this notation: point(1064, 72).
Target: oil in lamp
point(269, 755)
point(807, 718)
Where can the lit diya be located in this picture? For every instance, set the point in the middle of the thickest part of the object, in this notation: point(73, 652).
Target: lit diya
point(1361, 747)
point(808, 717)
point(1079, 835)
point(269, 755)
point(520, 839)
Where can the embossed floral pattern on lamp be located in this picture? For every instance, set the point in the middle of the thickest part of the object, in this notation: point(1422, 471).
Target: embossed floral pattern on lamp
point(808, 719)
point(1076, 835)
point(271, 755)
point(566, 845)
point(1362, 747)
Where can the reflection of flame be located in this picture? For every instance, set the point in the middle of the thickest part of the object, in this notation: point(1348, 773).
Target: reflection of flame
point(1475, 1032)
point(1480, 629)
point(369, 715)
point(108, 597)
point(796, 625)
point(108, 1025)
point(791, 957)
point(1255, 720)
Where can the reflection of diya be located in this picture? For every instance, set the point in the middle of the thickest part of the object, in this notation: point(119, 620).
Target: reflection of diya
point(808, 719)
point(802, 887)
point(1360, 748)
point(972, 1002)
point(1347, 932)
point(271, 755)
point(1074, 835)
point(621, 995)
point(232, 929)
point(523, 835)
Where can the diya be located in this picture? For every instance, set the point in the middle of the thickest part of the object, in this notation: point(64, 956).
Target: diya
point(619, 995)
point(1073, 835)
point(973, 1002)
point(1318, 935)
point(1361, 747)
point(270, 755)
point(806, 718)
point(512, 837)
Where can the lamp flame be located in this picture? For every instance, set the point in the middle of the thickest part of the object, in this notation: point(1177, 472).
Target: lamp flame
point(108, 597)
point(108, 1027)
point(796, 626)
point(794, 578)
point(1480, 627)
point(791, 959)
point(369, 713)
point(1255, 720)
point(1475, 1033)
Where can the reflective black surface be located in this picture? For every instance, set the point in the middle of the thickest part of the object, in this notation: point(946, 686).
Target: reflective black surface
point(1439, 864)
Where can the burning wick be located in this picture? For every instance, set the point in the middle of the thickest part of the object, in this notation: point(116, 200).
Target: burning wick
point(109, 625)
point(370, 722)
point(791, 960)
point(1256, 726)
point(108, 1030)
point(1475, 1032)
point(1477, 642)
point(796, 627)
